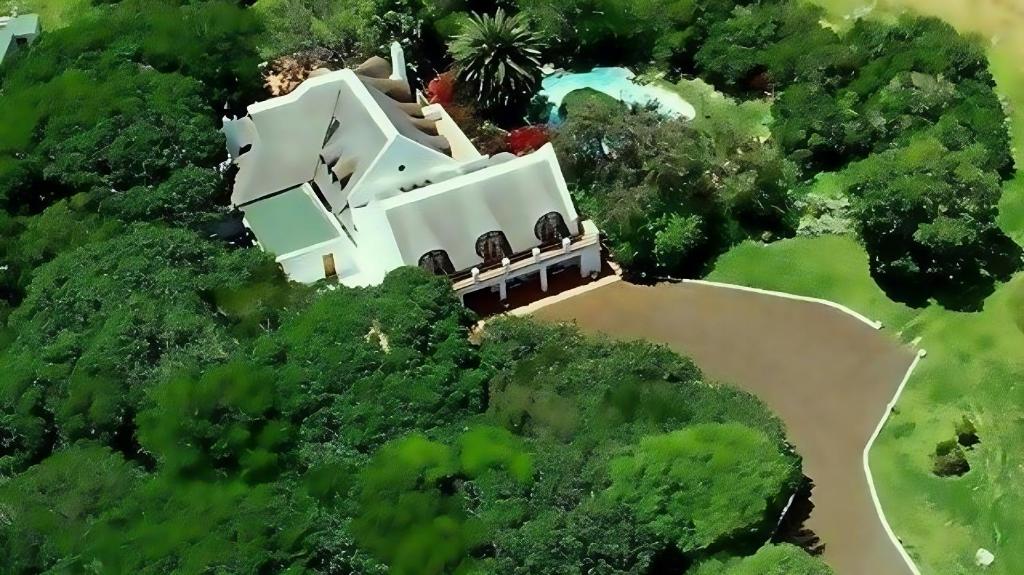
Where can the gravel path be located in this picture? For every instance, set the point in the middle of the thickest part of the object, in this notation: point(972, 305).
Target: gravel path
point(827, 375)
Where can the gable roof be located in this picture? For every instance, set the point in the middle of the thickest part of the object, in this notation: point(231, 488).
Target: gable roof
point(340, 129)
point(290, 221)
point(12, 28)
point(509, 196)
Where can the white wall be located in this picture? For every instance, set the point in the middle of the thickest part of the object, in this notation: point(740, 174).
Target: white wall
point(462, 147)
point(307, 266)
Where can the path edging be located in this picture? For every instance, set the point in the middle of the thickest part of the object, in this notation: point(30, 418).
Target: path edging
point(865, 456)
point(873, 323)
point(867, 465)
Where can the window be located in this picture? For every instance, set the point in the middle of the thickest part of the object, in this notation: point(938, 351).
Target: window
point(492, 246)
point(551, 228)
point(437, 262)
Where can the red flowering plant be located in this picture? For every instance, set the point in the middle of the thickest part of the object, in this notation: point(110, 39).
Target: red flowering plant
point(441, 90)
point(527, 139)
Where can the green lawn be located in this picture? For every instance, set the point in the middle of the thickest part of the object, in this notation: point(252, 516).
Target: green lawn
point(717, 112)
point(54, 14)
point(975, 362)
point(829, 267)
point(975, 366)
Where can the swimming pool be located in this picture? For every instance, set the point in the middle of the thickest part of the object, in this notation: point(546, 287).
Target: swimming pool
point(617, 83)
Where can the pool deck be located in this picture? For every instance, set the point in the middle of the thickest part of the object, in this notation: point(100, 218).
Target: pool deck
point(828, 375)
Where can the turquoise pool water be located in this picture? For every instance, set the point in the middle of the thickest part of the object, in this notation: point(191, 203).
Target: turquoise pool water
point(617, 83)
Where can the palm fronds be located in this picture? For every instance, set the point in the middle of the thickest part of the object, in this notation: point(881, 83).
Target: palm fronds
point(499, 56)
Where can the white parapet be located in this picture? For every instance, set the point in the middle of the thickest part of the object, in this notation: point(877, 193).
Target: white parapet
point(398, 63)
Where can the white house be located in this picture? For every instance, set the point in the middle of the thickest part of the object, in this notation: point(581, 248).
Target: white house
point(16, 32)
point(348, 177)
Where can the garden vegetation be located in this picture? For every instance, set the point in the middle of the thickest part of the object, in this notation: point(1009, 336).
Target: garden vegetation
point(169, 403)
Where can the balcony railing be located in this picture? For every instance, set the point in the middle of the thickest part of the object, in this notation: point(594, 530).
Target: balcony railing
point(543, 252)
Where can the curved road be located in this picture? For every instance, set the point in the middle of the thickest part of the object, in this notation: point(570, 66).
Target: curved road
point(827, 375)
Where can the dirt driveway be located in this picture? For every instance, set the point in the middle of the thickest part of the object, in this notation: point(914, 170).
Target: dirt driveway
point(828, 375)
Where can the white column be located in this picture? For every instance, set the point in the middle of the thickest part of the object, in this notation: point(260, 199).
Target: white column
point(503, 286)
point(590, 260)
point(544, 278)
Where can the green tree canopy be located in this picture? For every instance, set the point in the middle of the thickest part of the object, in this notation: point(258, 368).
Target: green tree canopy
point(49, 509)
point(408, 514)
point(188, 197)
point(99, 323)
point(667, 195)
point(233, 420)
point(705, 485)
point(769, 560)
point(927, 215)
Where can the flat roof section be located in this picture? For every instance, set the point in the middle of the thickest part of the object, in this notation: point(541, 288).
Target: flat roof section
point(289, 221)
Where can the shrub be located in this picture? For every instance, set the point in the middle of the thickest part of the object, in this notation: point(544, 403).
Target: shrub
point(527, 139)
point(500, 56)
point(967, 433)
point(949, 459)
point(674, 484)
point(441, 90)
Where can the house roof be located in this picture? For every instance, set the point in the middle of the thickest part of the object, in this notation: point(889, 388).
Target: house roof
point(334, 129)
point(12, 28)
point(24, 25)
point(289, 221)
point(509, 196)
point(389, 180)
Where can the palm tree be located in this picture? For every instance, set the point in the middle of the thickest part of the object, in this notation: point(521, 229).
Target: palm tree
point(500, 57)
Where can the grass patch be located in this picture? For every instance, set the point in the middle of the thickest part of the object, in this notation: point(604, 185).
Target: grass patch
point(53, 14)
point(829, 267)
point(975, 363)
point(717, 112)
point(1008, 67)
point(975, 366)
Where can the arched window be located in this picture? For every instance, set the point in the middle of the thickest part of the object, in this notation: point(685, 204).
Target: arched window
point(437, 262)
point(551, 228)
point(492, 246)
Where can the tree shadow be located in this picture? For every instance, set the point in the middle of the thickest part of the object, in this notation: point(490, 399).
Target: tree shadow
point(960, 290)
point(792, 529)
point(669, 561)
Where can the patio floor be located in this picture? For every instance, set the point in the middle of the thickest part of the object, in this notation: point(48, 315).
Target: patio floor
point(826, 374)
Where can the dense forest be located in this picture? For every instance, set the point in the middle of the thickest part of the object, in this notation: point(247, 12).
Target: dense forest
point(169, 403)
